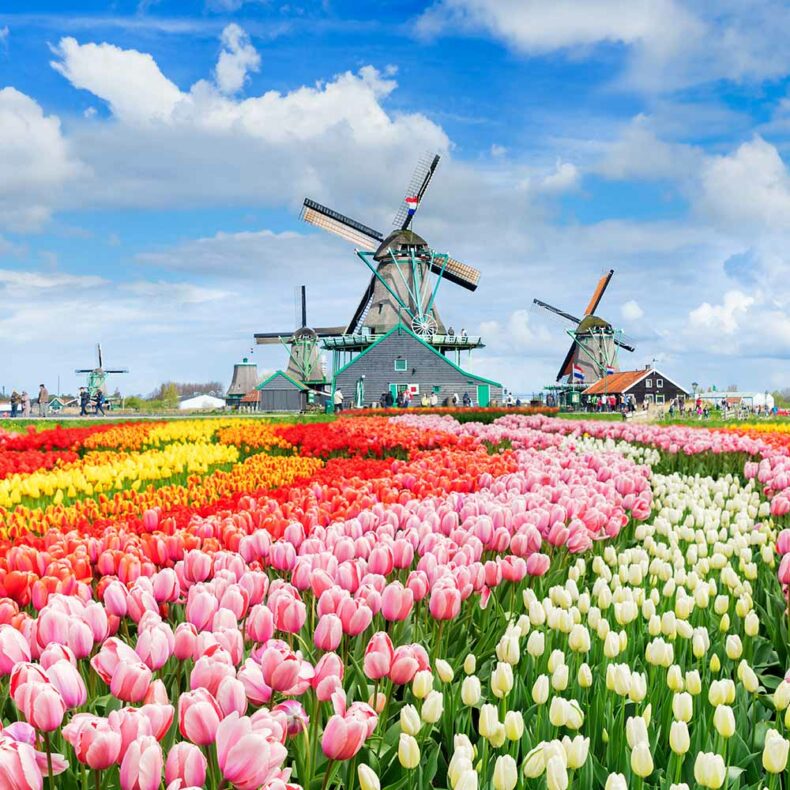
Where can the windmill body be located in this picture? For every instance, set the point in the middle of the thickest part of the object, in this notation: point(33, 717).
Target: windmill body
point(595, 343)
point(97, 377)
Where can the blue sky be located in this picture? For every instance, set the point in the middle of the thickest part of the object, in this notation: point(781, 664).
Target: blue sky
point(153, 158)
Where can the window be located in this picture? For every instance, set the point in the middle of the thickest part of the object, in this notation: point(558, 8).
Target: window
point(648, 384)
point(401, 364)
point(436, 389)
point(659, 384)
point(660, 398)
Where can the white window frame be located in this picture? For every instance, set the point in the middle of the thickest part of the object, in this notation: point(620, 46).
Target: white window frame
point(649, 384)
point(660, 398)
point(659, 384)
point(405, 364)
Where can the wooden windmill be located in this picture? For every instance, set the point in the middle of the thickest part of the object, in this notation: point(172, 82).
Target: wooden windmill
point(405, 271)
point(594, 341)
point(304, 359)
point(96, 377)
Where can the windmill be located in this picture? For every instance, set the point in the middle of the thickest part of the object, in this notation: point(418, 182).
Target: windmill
point(405, 271)
point(304, 360)
point(98, 376)
point(594, 342)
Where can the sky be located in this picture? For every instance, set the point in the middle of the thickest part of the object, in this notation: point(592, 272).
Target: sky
point(154, 156)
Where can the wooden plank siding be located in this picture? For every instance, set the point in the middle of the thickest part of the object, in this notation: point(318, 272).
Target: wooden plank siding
point(424, 367)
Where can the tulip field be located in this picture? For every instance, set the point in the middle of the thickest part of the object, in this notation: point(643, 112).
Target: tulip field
point(394, 602)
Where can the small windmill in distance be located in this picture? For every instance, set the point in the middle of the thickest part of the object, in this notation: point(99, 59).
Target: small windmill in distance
point(98, 376)
point(594, 341)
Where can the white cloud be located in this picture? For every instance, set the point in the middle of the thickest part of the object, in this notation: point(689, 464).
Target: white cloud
point(749, 188)
point(639, 154)
point(723, 318)
point(565, 178)
point(631, 311)
point(538, 26)
point(237, 58)
point(4, 32)
point(35, 161)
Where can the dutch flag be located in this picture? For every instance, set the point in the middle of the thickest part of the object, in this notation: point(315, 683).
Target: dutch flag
point(610, 370)
point(578, 373)
point(411, 204)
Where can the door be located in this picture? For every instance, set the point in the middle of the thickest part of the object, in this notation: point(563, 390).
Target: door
point(483, 395)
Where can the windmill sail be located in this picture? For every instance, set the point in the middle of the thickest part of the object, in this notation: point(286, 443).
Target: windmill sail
point(334, 222)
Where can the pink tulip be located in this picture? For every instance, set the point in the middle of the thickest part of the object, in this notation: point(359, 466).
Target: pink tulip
point(297, 719)
point(165, 584)
point(185, 642)
point(155, 645)
point(538, 564)
point(201, 607)
point(65, 677)
point(784, 570)
point(13, 648)
point(53, 653)
point(355, 616)
point(445, 603)
point(209, 670)
point(199, 716)
point(160, 717)
point(131, 724)
point(379, 655)
point(18, 766)
point(396, 602)
point(280, 667)
point(231, 696)
point(407, 660)
point(197, 566)
point(142, 765)
point(348, 729)
point(187, 763)
point(96, 744)
point(247, 758)
point(41, 704)
point(260, 623)
point(251, 676)
point(115, 595)
point(289, 612)
point(328, 633)
point(157, 693)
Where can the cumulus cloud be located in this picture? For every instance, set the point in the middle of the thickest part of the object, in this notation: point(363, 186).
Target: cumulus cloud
point(631, 311)
point(723, 318)
point(237, 58)
point(35, 161)
point(565, 178)
point(749, 188)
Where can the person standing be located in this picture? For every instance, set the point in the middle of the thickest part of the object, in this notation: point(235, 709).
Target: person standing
point(15, 401)
point(25, 404)
point(100, 402)
point(85, 399)
point(337, 399)
point(467, 400)
point(43, 400)
point(434, 400)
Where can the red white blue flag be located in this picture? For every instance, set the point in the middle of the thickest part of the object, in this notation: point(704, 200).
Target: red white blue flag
point(609, 370)
point(578, 373)
point(411, 204)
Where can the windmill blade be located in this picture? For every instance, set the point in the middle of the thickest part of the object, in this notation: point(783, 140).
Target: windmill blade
point(354, 324)
point(327, 219)
point(98, 353)
point(459, 273)
point(420, 179)
point(598, 292)
point(271, 338)
point(329, 331)
point(625, 344)
point(85, 370)
point(556, 311)
point(117, 370)
point(565, 369)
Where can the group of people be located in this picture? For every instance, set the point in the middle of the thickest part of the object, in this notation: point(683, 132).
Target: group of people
point(21, 403)
point(610, 403)
point(405, 400)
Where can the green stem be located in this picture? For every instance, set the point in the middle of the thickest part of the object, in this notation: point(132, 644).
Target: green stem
point(48, 748)
point(97, 780)
point(326, 775)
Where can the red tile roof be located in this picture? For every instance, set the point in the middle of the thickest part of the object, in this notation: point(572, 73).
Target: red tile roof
point(616, 383)
point(251, 397)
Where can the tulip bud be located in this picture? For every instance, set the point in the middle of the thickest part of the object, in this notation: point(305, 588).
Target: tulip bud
point(751, 624)
point(444, 671)
point(675, 678)
point(682, 706)
point(715, 664)
point(540, 690)
point(556, 774)
point(635, 731)
point(514, 725)
point(679, 740)
point(505, 773)
point(724, 721)
point(368, 780)
point(408, 751)
point(502, 680)
point(559, 678)
point(410, 720)
point(733, 647)
point(642, 759)
point(710, 770)
point(558, 714)
point(775, 752)
point(534, 764)
point(432, 708)
point(488, 720)
point(693, 682)
point(576, 751)
point(470, 664)
point(616, 782)
point(782, 695)
point(584, 677)
point(536, 644)
point(470, 690)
